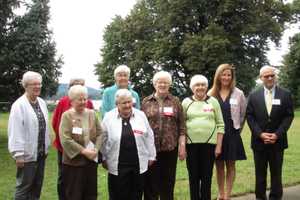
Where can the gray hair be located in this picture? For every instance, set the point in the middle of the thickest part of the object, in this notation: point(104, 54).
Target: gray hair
point(162, 74)
point(76, 81)
point(122, 93)
point(77, 90)
point(198, 78)
point(267, 67)
point(122, 68)
point(29, 76)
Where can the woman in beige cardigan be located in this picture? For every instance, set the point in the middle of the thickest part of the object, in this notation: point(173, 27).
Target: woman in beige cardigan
point(80, 137)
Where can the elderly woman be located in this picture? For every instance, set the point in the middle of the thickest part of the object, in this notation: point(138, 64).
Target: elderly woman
point(233, 106)
point(166, 117)
point(80, 138)
point(121, 74)
point(205, 129)
point(28, 137)
point(63, 105)
point(128, 148)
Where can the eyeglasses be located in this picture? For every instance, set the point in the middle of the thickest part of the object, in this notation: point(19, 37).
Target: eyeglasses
point(269, 76)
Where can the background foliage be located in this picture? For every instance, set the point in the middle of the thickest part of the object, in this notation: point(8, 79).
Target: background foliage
point(26, 44)
point(187, 37)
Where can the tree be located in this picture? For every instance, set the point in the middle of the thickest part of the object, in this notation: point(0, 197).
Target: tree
point(290, 71)
point(186, 37)
point(28, 45)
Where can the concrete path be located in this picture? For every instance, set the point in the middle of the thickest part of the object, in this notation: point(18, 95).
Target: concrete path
point(289, 193)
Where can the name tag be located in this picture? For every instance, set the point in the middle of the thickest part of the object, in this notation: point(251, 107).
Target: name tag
point(168, 111)
point(276, 102)
point(133, 100)
point(138, 128)
point(233, 101)
point(208, 108)
point(77, 130)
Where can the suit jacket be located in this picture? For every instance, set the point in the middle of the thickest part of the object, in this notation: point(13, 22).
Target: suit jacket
point(278, 122)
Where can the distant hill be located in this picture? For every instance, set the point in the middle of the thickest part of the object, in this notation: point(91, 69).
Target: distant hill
point(62, 89)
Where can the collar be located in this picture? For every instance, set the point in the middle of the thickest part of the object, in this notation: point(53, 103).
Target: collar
point(272, 89)
point(132, 114)
point(153, 97)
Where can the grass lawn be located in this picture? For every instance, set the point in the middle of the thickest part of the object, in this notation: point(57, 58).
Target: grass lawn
point(244, 182)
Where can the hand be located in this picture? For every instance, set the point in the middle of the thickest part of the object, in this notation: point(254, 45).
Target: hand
point(218, 150)
point(104, 164)
point(20, 162)
point(266, 137)
point(150, 162)
point(273, 138)
point(91, 154)
point(182, 152)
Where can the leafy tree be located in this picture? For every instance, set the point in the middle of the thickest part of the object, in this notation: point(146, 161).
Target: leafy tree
point(28, 45)
point(186, 37)
point(290, 71)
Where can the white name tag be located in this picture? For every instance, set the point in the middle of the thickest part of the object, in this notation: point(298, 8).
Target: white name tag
point(207, 108)
point(233, 101)
point(276, 102)
point(168, 111)
point(77, 130)
point(133, 100)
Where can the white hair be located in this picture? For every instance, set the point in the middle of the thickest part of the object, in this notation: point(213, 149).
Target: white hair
point(77, 90)
point(162, 74)
point(265, 68)
point(29, 76)
point(122, 93)
point(122, 68)
point(198, 78)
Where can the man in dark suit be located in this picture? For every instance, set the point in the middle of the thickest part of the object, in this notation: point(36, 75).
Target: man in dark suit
point(269, 115)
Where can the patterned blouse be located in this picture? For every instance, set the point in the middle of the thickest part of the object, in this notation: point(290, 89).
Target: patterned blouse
point(166, 119)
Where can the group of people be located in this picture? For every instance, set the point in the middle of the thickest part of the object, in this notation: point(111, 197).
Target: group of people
point(139, 143)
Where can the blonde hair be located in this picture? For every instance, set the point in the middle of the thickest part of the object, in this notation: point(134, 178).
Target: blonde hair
point(214, 91)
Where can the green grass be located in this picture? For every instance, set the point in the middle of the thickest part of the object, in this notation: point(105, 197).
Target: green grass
point(244, 182)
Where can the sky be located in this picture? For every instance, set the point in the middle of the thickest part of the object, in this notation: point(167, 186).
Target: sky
point(78, 27)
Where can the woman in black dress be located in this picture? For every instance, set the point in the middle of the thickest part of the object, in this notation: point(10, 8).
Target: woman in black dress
point(233, 105)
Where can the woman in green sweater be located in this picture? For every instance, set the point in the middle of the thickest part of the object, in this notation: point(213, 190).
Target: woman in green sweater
point(205, 129)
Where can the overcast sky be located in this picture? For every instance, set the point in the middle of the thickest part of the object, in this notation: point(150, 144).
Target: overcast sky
point(78, 28)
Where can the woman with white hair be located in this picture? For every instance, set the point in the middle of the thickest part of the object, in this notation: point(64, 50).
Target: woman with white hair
point(79, 134)
point(127, 148)
point(28, 137)
point(205, 129)
point(121, 75)
point(63, 105)
point(166, 117)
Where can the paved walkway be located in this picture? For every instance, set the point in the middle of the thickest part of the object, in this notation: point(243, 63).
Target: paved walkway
point(289, 193)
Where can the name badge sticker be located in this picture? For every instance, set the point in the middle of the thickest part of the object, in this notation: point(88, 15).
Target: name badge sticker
point(276, 102)
point(168, 111)
point(208, 108)
point(233, 101)
point(77, 130)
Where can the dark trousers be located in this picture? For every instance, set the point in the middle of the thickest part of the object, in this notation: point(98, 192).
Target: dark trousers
point(29, 180)
point(60, 188)
point(274, 158)
point(160, 177)
point(200, 161)
point(128, 184)
point(80, 183)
